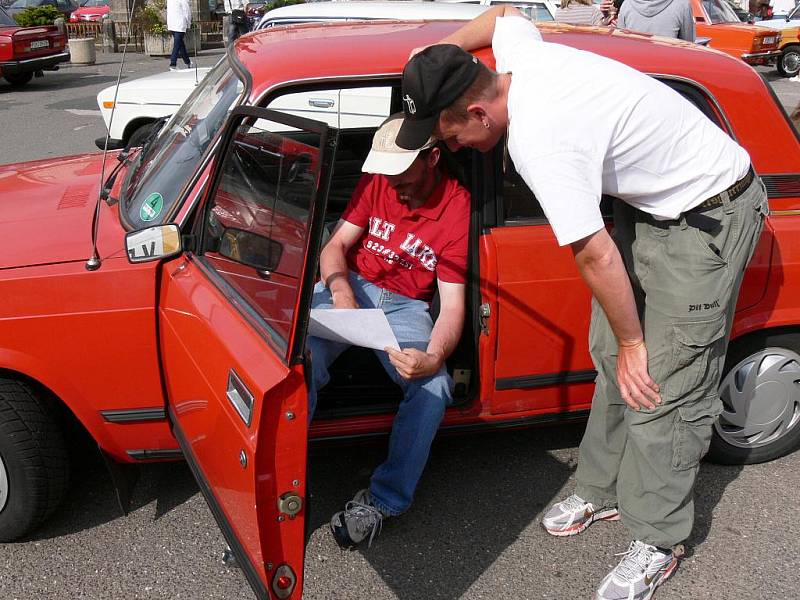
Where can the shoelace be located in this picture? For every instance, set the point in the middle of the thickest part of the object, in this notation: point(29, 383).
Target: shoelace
point(637, 557)
point(574, 502)
point(365, 517)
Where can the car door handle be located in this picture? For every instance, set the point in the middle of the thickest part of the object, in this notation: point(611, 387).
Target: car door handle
point(320, 102)
point(240, 397)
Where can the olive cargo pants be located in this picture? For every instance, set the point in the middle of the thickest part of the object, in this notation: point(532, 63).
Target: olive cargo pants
point(686, 282)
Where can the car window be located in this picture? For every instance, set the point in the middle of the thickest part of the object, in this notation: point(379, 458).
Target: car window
point(719, 12)
point(5, 19)
point(257, 223)
point(520, 206)
point(534, 11)
point(347, 108)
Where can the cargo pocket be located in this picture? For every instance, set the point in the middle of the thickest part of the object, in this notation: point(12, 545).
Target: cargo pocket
point(692, 434)
point(698, 352)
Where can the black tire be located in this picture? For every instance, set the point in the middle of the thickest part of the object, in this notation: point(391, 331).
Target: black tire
point(788, 64)
point(18, 79)
point(139, 135)
point(34, 459)
point(771, 345)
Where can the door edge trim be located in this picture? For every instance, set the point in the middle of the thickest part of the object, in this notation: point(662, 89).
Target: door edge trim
point(243, 559)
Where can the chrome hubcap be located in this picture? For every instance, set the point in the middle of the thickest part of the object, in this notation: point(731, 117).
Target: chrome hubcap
point(3, 485)
point(761, 398)
point(791, 61)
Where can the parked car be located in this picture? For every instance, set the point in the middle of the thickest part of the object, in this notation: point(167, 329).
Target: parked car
point(27, 51)
point(91, 10)
point(788, 63)
point(715, 19)
point(536, 10)
point(790, 20)
point(142, 102)
point(65, 7)
point(184, 335)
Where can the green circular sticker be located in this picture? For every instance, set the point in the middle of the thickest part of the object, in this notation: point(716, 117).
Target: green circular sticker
point(151, 207)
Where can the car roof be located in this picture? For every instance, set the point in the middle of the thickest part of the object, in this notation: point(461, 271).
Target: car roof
point(364, 49)
point(354, 9)
point(324, 54)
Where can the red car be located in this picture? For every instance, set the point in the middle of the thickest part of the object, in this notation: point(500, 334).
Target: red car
point(27, 51)
point(188, 338)
point(91, 10)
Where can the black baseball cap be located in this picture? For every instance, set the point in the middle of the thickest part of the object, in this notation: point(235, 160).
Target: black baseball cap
point(432, 80)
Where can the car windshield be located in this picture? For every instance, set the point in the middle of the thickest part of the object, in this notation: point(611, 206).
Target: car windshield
point(165, 165)
point(720, 12)
point(95, 3)
point(5, 18)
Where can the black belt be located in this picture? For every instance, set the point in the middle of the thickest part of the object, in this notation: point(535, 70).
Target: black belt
point(736, 190)
point(694, 217)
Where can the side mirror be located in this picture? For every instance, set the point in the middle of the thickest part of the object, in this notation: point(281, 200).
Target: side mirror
point(251, 249)
point(153, 243)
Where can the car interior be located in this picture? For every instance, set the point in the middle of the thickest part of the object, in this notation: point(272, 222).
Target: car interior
point(359, 385)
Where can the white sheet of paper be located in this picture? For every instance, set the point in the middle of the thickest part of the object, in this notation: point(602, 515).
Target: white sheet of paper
point(365, 327)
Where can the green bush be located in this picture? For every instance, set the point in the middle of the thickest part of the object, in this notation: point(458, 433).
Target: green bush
point(37, 15)
point(149, 18)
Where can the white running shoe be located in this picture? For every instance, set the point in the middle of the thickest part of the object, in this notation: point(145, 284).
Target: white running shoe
point(574, 514)
point(642, 569)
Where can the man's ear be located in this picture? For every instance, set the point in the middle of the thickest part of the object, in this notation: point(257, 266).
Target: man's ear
point(433, 157)
point(477, 111)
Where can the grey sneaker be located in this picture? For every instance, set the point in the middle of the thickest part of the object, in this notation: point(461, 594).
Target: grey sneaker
point(359, 521)
point(574, 514)
point(642, 569)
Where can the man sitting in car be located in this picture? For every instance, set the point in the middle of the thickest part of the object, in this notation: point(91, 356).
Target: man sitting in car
point(403, 235)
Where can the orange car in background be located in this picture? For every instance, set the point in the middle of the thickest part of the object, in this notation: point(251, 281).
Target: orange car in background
point(715, 19)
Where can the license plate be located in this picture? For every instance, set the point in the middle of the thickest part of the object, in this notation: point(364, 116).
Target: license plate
point(40, 44)
point(768, 40)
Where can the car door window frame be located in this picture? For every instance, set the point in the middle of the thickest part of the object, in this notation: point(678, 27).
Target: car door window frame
point(291, 349)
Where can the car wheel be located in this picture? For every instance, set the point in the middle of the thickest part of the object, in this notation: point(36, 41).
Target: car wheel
point(760, 392)
point(139, 135)
point(34, 467)
point(19, 79)
point(789, 61)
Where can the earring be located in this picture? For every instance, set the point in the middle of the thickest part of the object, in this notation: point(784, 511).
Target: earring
point(486, 124)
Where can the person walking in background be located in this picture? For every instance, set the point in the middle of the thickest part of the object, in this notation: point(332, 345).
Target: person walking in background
point(667, 18)
point(179, 19)
point(237, 19)
point(584, 12)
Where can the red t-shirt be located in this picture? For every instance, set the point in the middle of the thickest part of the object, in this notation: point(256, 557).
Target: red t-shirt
point(404, 250)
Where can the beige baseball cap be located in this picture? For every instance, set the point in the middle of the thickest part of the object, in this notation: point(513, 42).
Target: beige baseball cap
point(386, 157)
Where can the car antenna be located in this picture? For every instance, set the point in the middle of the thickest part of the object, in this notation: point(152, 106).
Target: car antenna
point(93, 262)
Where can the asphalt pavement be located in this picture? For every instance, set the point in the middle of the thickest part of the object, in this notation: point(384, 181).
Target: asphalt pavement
point(473, 531)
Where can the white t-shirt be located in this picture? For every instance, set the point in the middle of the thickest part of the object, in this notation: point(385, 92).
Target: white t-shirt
point(582, 125)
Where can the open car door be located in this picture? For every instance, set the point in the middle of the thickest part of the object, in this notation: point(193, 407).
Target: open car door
point(232, 319)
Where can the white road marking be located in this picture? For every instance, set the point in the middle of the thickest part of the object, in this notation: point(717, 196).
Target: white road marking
point(83, 113)
point(79, 127)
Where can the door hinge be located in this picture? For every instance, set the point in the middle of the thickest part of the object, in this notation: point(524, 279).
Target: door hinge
point(484, 312)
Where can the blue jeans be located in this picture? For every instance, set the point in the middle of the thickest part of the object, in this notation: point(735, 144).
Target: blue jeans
point(424, 400)
point(178, 47)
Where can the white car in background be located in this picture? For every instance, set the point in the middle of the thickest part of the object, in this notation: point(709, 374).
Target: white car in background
point(785, 22)
point(536, 10)
point(140, 103)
